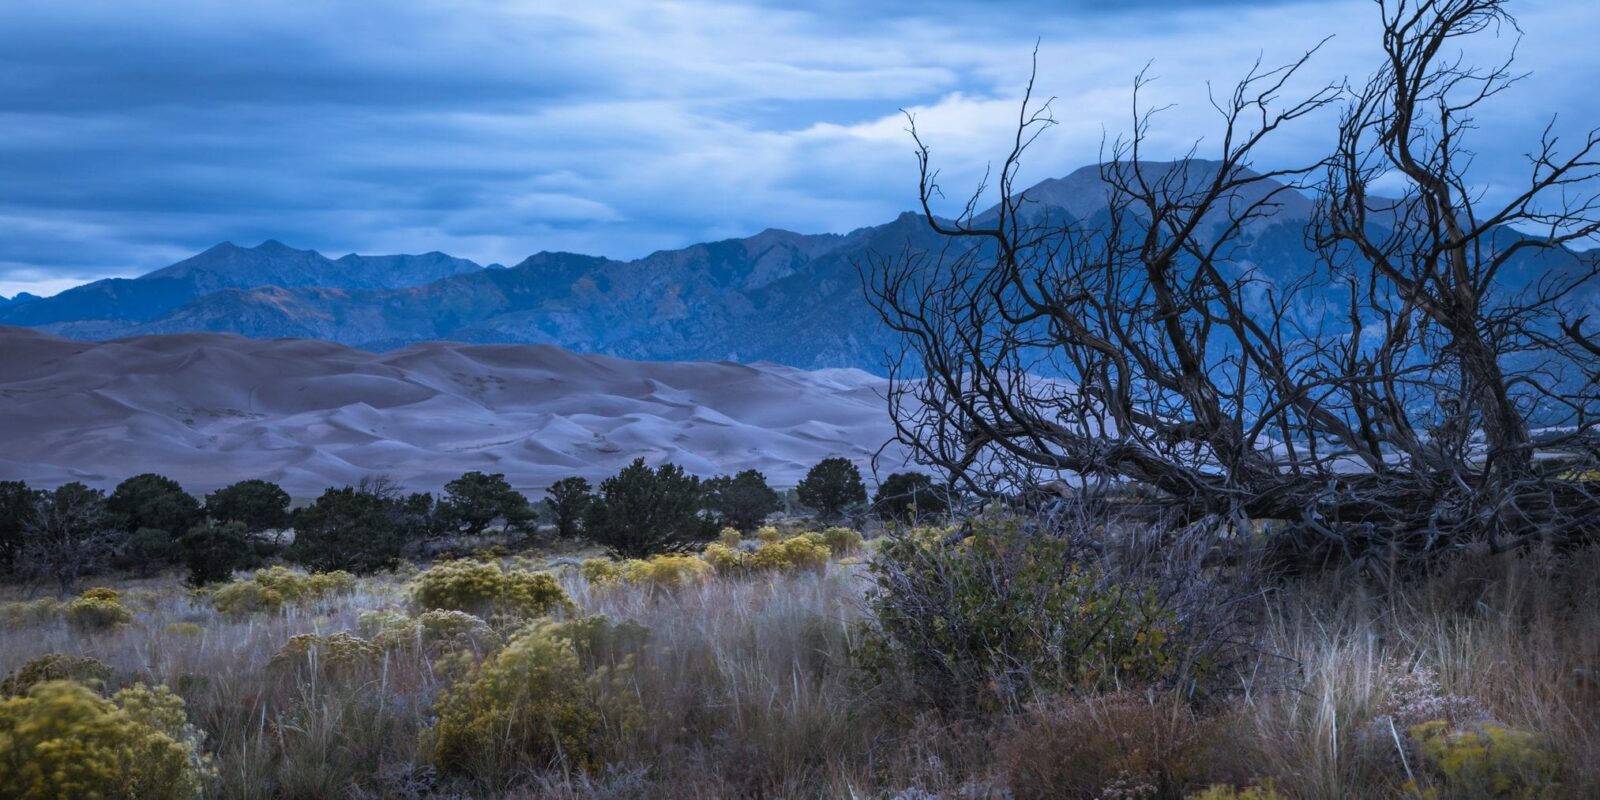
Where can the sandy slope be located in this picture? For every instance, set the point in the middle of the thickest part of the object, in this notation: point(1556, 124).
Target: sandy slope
point(209, 409)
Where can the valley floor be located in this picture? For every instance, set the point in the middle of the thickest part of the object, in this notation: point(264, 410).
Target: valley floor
point(748, 686)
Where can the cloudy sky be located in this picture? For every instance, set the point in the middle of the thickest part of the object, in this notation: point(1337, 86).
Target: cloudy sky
point(137, 132)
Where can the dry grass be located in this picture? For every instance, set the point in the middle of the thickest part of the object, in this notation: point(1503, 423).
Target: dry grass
point(748, 690)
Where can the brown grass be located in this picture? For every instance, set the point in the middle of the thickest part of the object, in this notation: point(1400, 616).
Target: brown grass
point(749, 691)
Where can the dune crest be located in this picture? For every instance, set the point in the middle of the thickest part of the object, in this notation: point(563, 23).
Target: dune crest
point(210, 409)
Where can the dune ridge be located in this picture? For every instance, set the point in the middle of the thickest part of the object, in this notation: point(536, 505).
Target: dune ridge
point(209, 409)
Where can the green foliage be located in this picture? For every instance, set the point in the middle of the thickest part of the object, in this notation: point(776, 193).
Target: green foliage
point(1488, 760)
point(258, 505)
point(473, 502)
point(667, 571)
point(832, 487)
point(272, 588)
point(435, 632)
point(538, 702)
point(62, 740)
point(353, 529)
point(485, 588)
point(212, 551)
point(97, 610)
point(336, 654)
point(909, 497)
point(725, 559)
point(1228, 792)
point(17, 509)
point(568, 500)
point(159, 511)
point(743, 500)
point(1008, 613)
point(641, 512)
point(90, 672)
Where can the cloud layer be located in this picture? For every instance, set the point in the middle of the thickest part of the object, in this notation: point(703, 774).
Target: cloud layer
point(139, 132)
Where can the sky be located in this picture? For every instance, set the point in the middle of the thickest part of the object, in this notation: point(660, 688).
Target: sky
point(138, 132)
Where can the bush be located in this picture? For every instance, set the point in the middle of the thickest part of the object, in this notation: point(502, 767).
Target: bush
point(742, 501)
point(70, 536)
point(272, 588)
point(806, 552)
point(832, 487)
point(535, 704)
point(1484, 759)
point(843, 540)
point(90, 672)
point(357, 529)
point(667, 571)
point(485, 588)
point(64, 740)
point(212, 551)
point(97, 610)
point(568, 499)
point(641, 512)
point(435, 632)
point(909, 497)
point(333, 654)
point(600, 571)
point(27, 613)
point(725, 559)
point(17, 508)
point(1009, 613)
point(159, 511)
point(473, 502)
point(258, 505)
point(1079, 746)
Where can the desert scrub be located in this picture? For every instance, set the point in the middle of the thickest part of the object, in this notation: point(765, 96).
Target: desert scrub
point(667, 571)
point(486, 589)
point(843, 540)
point(1227, 792)
point(334, 654)
point(726, 560)
point(29, 613)
point(1485, 759)
point(1008, 614)
point(435, 632)
point(540, 702)
point(804, 552)
point(63, 740)
point(88, 671)
point(97, 610)
point(271, 589)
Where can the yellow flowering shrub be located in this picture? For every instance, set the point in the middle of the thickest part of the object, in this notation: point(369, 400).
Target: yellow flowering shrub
point(27, 613)
point(436, 631)
point(600, 571)
point(531, 704)
point(97, 610)
point(90, 672)
point(797, 553)
point(729, 537)
point(725, 559)
point(667, 571)
point(271, 589)
point(485, 588)
point(843, 540)
point(335, 653)
point(768, 534)
point(1484, 759)
point(62, 740)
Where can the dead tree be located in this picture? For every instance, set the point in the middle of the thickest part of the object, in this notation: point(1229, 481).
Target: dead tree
point(1393, 395)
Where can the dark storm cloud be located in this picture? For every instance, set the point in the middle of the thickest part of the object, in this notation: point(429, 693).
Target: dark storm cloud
point(134, 133)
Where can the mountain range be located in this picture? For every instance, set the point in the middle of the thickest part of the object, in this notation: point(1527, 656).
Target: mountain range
point(777, 296)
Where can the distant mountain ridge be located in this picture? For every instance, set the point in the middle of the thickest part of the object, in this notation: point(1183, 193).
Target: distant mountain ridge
point(777, 296)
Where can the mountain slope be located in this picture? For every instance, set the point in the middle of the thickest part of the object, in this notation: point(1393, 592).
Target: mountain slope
point(209, 410)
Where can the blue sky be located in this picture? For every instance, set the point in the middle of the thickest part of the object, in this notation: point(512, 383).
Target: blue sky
point(135, 133)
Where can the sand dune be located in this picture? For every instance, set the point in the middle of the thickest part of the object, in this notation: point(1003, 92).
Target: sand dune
point(210, 409)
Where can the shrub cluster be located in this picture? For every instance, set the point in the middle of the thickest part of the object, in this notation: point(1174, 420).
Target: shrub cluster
point(90, 672)
point(271, 589)
point(538, 702)
point(97, 610)
point(486, 589)
point(62, 739)
point(1007, 614)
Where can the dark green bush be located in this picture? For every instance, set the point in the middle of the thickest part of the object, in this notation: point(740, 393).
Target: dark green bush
point(742, 501)
point(212, 551)
point(354, 529)
point(909, 497)
point(258, 505)
point(567, 500)
point(158, 511)
point(474, 501)
point(832, 487)
point(640, 512)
